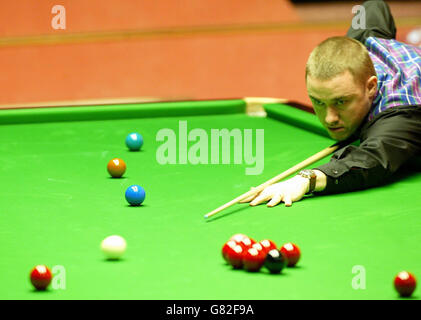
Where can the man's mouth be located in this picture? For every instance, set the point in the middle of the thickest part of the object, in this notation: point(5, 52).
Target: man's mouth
point(336, 129)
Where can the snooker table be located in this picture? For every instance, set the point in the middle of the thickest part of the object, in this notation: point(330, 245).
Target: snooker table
point(57, 203)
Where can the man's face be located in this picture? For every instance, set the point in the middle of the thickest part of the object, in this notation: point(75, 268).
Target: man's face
point(340, 103)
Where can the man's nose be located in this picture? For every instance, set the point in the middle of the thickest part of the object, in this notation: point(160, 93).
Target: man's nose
point(332, 116)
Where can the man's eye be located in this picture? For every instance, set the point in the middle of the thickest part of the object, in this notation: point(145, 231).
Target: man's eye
point(340, 102)
point(317, 102)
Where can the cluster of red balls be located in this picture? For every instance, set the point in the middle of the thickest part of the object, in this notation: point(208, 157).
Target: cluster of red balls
point(241, 251)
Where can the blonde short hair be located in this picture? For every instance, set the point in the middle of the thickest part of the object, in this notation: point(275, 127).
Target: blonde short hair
point(336, 55)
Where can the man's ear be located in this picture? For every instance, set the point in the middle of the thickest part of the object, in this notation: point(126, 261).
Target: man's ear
point(372, 87)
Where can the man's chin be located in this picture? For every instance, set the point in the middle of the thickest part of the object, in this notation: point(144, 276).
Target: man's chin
point(338, 136)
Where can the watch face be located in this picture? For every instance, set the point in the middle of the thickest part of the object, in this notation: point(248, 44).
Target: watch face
point(310, 173)
point(306, 173)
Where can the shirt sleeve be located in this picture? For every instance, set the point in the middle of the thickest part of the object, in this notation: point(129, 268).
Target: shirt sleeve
point(387, 142)
point(378, 22)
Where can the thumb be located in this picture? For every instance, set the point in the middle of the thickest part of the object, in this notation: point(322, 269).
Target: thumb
point(249, 198)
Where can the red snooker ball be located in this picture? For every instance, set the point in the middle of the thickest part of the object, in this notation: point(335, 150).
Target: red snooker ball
point(226, 248)
point(234, 256)
point(116, 167)
point(238, 237)
point(268, 245)
point(405, 283)
point(258, 246)
point(41, 277)
point(253, 259)
point(246, 243)
point(291, 252)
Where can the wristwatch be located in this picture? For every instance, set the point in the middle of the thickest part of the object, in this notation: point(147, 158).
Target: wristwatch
point(311, 175)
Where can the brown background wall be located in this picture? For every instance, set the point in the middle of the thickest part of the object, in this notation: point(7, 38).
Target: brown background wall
point(168, 49)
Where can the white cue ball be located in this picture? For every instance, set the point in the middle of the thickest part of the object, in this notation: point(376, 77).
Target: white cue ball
point(113, 247)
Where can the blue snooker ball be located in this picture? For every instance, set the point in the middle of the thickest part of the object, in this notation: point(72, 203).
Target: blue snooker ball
point(134, 141)
point(135, 195)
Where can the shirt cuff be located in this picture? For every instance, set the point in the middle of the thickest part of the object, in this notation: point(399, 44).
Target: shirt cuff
point(333, 173)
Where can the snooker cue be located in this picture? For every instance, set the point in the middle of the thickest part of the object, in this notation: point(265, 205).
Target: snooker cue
point(314, 158)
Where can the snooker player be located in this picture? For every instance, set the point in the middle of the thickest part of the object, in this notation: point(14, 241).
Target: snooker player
point(364, 86)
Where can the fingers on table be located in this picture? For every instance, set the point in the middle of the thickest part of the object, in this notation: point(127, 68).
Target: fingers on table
point(288, 200)
point(263, 197)
point(275, 200)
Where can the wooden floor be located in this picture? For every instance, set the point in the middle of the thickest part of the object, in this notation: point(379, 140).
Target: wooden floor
point(166, 49)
